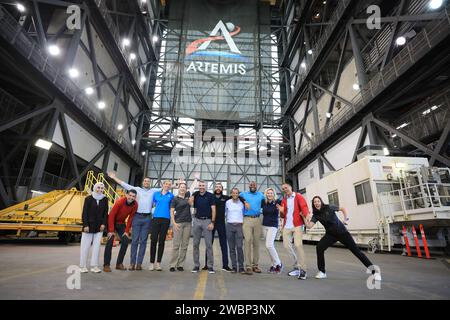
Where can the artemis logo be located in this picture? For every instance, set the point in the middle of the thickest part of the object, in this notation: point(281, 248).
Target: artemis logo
point(199, 48)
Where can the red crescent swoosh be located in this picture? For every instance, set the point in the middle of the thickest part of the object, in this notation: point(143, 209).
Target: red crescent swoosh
point(193, 46)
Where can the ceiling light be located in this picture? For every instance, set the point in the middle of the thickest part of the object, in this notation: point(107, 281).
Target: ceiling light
point(394, 135)
point(89, 91)
point(400, 41)
point(53, 49)
point(303, 65)
point(133, 142)
point(155, 38)
point(434, 107)
point(125, 42)
point(310, 51)
point(73, 72)
point(101, 105)
point(44, 144)
point(426, 111)
point(402, 126)
point(328, 115)
point(132, 56)
point(20, 7)
point(143, 153)
point(355, 86)
point(143, 78)
point(119, 126)
point(435, 4)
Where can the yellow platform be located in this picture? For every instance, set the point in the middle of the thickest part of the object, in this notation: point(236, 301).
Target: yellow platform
point(56, 211)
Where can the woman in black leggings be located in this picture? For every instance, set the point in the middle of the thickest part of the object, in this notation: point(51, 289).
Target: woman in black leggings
point(335, 230)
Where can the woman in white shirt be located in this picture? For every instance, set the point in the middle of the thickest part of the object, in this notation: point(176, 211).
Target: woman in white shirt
point(234, 215)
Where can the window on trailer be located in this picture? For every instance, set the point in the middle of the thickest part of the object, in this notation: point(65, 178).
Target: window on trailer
point(363, 193)
point(333, 198)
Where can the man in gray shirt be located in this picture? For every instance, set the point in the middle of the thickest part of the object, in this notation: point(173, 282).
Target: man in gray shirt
point(180, 214)
point(142, 219)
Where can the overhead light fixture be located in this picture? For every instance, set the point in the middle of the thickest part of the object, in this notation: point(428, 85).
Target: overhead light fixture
point(143, 153)
point(101, 105)
point(89, 91)
point(434, 107)
point(144, 1)
point(53, 49)
point(435, 4)
point(402, 126)
point(355, 86)
point(310, 51)
point(155, 38)
point(394, 135)
point(303, 65)
point(143, 78)
point(133, 142)
point(20, 7)
point(132, 56)
point(119, 126)
point(328, 115)
point(386, 151)
point(310, 134)
point(125, 42)
point(324, 2)
point(73, 72)
point(400, 41)
point(44, 144)
point(426, 112)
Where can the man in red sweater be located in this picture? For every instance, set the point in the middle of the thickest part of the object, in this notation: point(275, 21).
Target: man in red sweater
point(123, 208)
point(294, 210)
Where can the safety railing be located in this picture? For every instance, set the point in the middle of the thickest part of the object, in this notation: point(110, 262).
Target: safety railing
point(424, 41)
point(109, 191)
point(406, 201)
point(30, 49)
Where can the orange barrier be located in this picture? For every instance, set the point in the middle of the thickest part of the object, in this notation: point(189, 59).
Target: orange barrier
point(416, 240)
point(424, 240)
point(408, 249)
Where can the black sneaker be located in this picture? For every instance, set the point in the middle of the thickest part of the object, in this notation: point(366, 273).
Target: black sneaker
point(227, 269)
point(172, 269)
point(195, 270)
point(180, 269)
point(211, 271)
point(302, 275)
point(272, 269)
point(234, 270)
point(205, 268)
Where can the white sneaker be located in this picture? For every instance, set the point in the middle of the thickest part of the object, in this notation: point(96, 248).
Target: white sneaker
point(294, 273)
point(96, 270)
point(158, 267)
point(152, 267)
point(321, 275)
point(377, 276)
point(84, 270)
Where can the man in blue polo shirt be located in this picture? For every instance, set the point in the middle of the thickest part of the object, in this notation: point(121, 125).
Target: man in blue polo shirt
point(205, 216)
point(252, 228)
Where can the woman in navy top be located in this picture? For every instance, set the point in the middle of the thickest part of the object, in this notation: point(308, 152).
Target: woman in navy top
point(160, 223)
point(270, 211)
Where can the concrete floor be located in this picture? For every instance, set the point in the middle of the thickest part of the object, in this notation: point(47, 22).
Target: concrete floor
point(38, 271)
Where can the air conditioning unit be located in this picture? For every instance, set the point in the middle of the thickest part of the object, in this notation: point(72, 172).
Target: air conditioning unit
point(370, 150)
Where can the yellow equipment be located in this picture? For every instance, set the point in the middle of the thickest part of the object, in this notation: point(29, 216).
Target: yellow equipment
point(57, 211)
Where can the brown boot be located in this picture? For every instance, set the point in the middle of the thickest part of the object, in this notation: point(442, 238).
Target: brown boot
point(120, 267)
point(106, 268)
point(138, 267)
point(132, 267)
point(256, 269)
point(248, 271)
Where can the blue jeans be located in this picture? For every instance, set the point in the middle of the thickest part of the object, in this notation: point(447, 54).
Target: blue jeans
point(140, 230)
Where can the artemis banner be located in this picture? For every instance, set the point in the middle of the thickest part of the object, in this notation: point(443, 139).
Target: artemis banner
point(216, 53)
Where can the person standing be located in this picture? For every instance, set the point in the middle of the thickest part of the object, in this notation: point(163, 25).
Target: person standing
point(294, 209)
point(252, 227)
point(123, 209)
point(270, 213)
point(234, 213)
point(219, 226)
point(335, 230)
point(94, 217)
point(180, 212)
point(204, 205)
point(141, 220)
point(160, 224)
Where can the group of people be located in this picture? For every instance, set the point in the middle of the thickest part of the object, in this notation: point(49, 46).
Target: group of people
point(236, 218)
